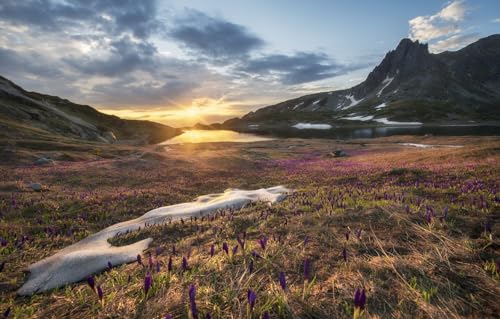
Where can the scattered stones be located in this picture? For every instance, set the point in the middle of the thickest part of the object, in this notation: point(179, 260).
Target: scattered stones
point(339, 153)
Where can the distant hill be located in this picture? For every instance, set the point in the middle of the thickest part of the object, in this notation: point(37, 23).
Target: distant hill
point(30, 115)
point(409, 85)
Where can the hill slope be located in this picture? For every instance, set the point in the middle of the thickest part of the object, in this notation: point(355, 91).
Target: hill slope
point(409, 85)
point(30, 115)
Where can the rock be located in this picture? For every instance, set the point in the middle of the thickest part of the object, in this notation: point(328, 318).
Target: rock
point(36, 187)
point(339, 153)
point(44, 161)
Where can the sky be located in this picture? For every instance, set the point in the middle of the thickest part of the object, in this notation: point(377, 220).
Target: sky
point(180, 62)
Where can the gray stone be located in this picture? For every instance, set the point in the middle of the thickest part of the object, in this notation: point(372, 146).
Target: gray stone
point(36, 187)
point(44, 161)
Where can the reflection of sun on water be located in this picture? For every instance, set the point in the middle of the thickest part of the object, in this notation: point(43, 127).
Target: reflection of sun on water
point(201, 136)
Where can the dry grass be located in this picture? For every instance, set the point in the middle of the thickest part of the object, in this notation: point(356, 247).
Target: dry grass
point(409, 267)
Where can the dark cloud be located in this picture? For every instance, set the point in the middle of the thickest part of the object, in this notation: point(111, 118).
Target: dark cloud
point(214, 38)
point(28, 63)
point(299, 68)
point(113, 16)
point(124, 56)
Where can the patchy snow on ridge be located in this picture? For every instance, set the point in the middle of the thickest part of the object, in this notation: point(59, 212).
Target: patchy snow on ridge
point(353, 102)
point(358, 118)
point(387, 81)
point(296, 106)
point(311, 126)
point(92, 254)
point(384, 120)
point(381, 106)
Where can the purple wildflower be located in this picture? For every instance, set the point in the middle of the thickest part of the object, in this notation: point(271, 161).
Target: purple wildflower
point(150, 261)
point(235, 249)
point(307, 269)
point(251, 298)
point(159, 250)
point(360, 299)
point(282, 280)
point(91, 282)
point(168, 316)
point(173, 250)
point(263, 242)
point(255, 254)
point(344, 254)
point(225, 247)
point(250, 266)
point(157, 266)
point(139, 260)
point(208, 316)
point(169, 265)
point(99, 293)
point(212, 250)
point(184, 264)
point(347, 233)
point(306, 240)
point(6, 313)
point(192, 301)
point(240, 242)
point(147, 282)
point(2, 265)
point(265, 315)
point(110, 265)
point(358, 234)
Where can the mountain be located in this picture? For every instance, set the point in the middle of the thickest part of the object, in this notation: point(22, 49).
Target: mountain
point(409, 85)
point(30, 115)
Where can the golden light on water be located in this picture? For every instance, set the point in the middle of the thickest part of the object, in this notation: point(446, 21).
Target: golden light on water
point(207, 136)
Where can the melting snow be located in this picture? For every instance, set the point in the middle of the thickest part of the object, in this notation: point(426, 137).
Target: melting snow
point(384, 120)
point(429, 145)
point(354, 102)
point(92, 254)
point(358, 118)
point(387, 81)
point(381, 106)
point(296, 106)
point(310, 126)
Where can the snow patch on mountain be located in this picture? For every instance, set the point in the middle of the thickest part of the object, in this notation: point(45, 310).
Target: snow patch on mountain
point(384, 120)
point(311, 126)
point(358, 118)
point(387, 81)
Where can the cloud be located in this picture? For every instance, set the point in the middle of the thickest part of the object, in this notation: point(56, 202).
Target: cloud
point(443, 30)
point(443, 23)
point(298, 68)
point(497, 20)
point(124, 56)
point(115, 17)
point(454, 42)
point(214, 38)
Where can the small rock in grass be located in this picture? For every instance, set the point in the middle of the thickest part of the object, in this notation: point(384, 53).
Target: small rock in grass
point(44, 161)
point(36, 187)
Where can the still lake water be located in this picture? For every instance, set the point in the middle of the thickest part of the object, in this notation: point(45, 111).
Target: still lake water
point(207, 136)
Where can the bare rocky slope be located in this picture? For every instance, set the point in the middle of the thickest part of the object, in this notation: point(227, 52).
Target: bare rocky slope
point(30, 115)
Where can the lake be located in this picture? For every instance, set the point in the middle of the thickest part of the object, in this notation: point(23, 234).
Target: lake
point(206, 136)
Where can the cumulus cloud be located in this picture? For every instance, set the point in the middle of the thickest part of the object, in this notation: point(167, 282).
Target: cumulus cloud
point(214, 38)
point(443, 23)
point(454, 42)
point(497, 20)
point(443, 30)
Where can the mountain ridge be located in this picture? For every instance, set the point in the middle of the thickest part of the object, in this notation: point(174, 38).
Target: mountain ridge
point(410, 84)
point(33, 115)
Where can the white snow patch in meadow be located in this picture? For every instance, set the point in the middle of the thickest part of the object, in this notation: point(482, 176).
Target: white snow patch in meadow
point(358, 118)
point(381, 106)
point(311, 126)
point(387, 81)
point(384, 120)
point(429, 145)
point(296, 106)
point(92, 254)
